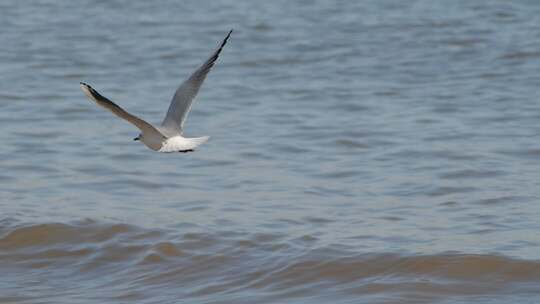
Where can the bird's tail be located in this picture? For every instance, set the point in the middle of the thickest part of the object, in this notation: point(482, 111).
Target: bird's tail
point(197, 141)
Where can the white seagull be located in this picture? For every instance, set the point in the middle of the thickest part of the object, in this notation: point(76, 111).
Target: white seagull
point(168, 136)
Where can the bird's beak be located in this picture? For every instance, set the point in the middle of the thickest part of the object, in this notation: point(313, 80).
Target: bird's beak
point(136, 138)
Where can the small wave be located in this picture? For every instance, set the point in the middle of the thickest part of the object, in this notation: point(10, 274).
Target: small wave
point(471, 174)
point(521, 55)
point(49, 234)
point(119, 259)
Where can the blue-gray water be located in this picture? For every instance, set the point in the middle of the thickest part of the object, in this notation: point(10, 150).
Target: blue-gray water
point(360, 152)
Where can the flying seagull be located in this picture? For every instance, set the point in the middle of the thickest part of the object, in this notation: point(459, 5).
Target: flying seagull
point(168, 136)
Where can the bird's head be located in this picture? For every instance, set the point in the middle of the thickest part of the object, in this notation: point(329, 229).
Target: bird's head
point(138, 137)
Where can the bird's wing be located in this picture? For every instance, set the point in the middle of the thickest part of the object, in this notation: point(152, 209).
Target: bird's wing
point(183, 98)
point(118, 111)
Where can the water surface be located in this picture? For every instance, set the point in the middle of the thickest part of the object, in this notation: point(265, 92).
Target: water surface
point(366, 152)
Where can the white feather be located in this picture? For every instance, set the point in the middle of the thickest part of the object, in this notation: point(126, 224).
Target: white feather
point(179, 144)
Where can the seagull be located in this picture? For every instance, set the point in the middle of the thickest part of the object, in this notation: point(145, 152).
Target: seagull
point(168, 136)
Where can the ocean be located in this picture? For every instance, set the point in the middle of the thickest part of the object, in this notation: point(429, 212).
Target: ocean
point(360, 152)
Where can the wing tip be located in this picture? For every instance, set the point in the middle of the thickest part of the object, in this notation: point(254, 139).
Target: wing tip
point(90, 92)
point(226, 38)
point(85, 86)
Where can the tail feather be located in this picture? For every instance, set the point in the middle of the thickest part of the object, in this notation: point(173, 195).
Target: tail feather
point(197, 141)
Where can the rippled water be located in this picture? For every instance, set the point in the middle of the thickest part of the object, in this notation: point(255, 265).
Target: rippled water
point(360, 152)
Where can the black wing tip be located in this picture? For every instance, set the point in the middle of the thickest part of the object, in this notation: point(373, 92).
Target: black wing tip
point(225, 40)
point(92, 91)
point(86, 85)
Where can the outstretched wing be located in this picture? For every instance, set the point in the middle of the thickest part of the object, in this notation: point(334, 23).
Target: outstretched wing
point(118, 111)
point(183, 98)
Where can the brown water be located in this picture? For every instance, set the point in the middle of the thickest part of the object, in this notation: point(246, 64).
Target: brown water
point(97, 262)
point(360, 152)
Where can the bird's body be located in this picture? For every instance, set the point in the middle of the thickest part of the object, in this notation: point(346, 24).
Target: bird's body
point(168, 136)
point(180, 144)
